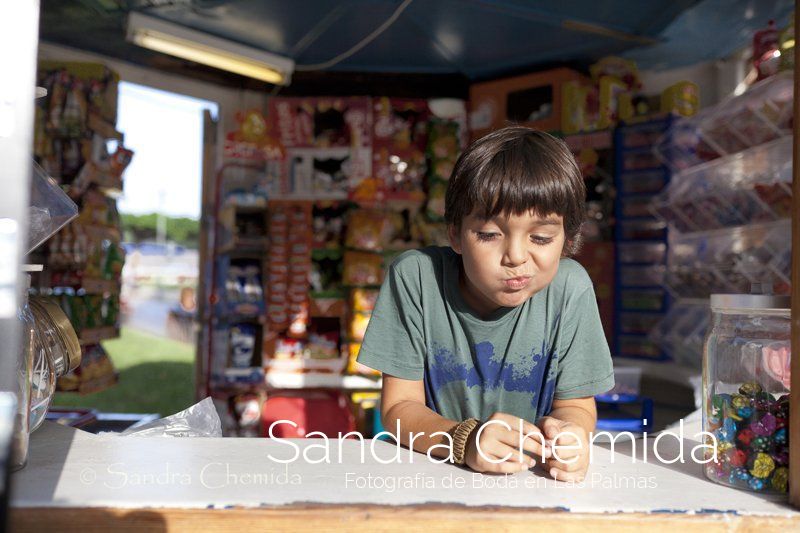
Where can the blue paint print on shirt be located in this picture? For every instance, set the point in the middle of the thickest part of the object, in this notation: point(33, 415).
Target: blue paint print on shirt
point(531, 376)
point(445, 368)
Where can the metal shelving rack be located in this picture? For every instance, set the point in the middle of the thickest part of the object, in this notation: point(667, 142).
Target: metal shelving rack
point(640, 299)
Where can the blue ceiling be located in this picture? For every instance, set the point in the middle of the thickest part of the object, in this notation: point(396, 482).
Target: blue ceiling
point(475, 39)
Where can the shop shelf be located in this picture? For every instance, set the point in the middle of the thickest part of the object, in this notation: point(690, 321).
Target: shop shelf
point(320, 380)
point(760, 115)
point(100, 286)
point(302, 365)
point(95, 335)
point(636, 207)
point(596, 140)
point(748, 187)
point(642, 299)
point(640, 159)
point(641, 230)
point(729, 260)
point(643, 182)
point(642, 135)
point(647, 252)
point(642, 276)
point(637, 323)
point(638, 346)
point(681, 332)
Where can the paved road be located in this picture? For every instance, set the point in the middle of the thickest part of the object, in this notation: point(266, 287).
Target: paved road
point(148, 309)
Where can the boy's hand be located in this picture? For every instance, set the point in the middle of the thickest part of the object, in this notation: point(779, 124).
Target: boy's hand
point(500, 441)
point(573, 452)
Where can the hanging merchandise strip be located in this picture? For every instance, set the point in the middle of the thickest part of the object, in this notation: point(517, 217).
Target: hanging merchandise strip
point(74, 123)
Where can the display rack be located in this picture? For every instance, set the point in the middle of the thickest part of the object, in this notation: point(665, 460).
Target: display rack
point(311, 205)
point(74, 126)
point(640, 299)
point(727, 208)
point(594, 152)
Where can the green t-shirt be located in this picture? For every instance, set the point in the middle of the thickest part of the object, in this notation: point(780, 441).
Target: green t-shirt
point(515, 361)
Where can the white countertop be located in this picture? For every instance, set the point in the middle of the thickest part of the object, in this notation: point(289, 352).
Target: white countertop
point(72, 468)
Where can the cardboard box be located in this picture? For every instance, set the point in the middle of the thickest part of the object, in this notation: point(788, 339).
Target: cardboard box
point(532, 100)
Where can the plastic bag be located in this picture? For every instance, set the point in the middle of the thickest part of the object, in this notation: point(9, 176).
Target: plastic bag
point(199, 420)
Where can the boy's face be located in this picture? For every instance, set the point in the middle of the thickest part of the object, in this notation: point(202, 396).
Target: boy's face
point(507, 259)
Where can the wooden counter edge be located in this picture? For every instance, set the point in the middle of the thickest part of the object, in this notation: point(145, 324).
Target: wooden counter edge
point(427, 518)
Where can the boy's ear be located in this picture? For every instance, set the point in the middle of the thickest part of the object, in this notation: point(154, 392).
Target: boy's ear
point(454, 235)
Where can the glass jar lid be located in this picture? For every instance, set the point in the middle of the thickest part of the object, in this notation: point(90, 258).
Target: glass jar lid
point(71, 358)
point(750, 301)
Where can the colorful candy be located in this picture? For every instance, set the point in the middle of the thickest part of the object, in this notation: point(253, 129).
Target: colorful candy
point(780, 479)
point(765, 426)
point(745, 436)
point(751, 431)
point(720, 402)
point(760, 443)
point(738, 401)
point(763, 465)
point(750, 389)
point(739, 476)
point(781, 457)
point(736, 457)
point(722, 447)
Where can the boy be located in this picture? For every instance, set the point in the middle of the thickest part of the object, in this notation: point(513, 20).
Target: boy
point(500, 327)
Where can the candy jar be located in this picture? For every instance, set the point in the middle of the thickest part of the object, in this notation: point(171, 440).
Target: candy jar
point(24, 375)
point(746, 363)
point(55, 350)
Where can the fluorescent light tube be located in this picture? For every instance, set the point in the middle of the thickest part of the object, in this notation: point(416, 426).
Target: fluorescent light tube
point(179, 41)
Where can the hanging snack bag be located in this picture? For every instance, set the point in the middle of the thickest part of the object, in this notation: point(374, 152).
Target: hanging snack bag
point(362, 269)
point(367, 230)
point(364, 300)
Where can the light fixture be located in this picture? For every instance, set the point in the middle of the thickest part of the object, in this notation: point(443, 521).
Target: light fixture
point(179, 41)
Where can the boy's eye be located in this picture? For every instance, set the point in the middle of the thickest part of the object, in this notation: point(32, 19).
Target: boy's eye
point(486, 236)
point(537, 239)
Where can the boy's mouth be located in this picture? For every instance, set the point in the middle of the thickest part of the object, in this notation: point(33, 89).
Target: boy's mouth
point(517, 283)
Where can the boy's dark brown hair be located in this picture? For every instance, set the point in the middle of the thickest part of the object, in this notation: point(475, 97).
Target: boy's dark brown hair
point(518, 170)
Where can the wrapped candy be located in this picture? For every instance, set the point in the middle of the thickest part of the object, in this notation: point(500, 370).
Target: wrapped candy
point(780, 479)
point(762, 466)
point(738, 401)
point(750, 389)
point(765, 426)
point(780, 436)
point(760, 443)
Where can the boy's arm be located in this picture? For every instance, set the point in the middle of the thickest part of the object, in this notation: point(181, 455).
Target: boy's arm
point(580, 411)
point(404, 400)
point(571, 421)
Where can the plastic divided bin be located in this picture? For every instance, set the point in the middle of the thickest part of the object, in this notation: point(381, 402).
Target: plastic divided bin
point(744, 188)
point(760, 115)
point(729, 260)
point(681, 332)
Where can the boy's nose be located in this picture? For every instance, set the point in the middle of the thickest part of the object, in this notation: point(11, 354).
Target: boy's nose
point(515, 254)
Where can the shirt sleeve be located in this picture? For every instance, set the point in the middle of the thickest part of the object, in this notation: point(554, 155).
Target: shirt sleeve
point(585, 367)
point(394, 341)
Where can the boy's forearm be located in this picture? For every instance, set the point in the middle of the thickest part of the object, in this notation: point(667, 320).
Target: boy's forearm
point(577, 415)
point(417, 418)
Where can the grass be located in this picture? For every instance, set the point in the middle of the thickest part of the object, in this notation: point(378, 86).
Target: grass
point(156, 375)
